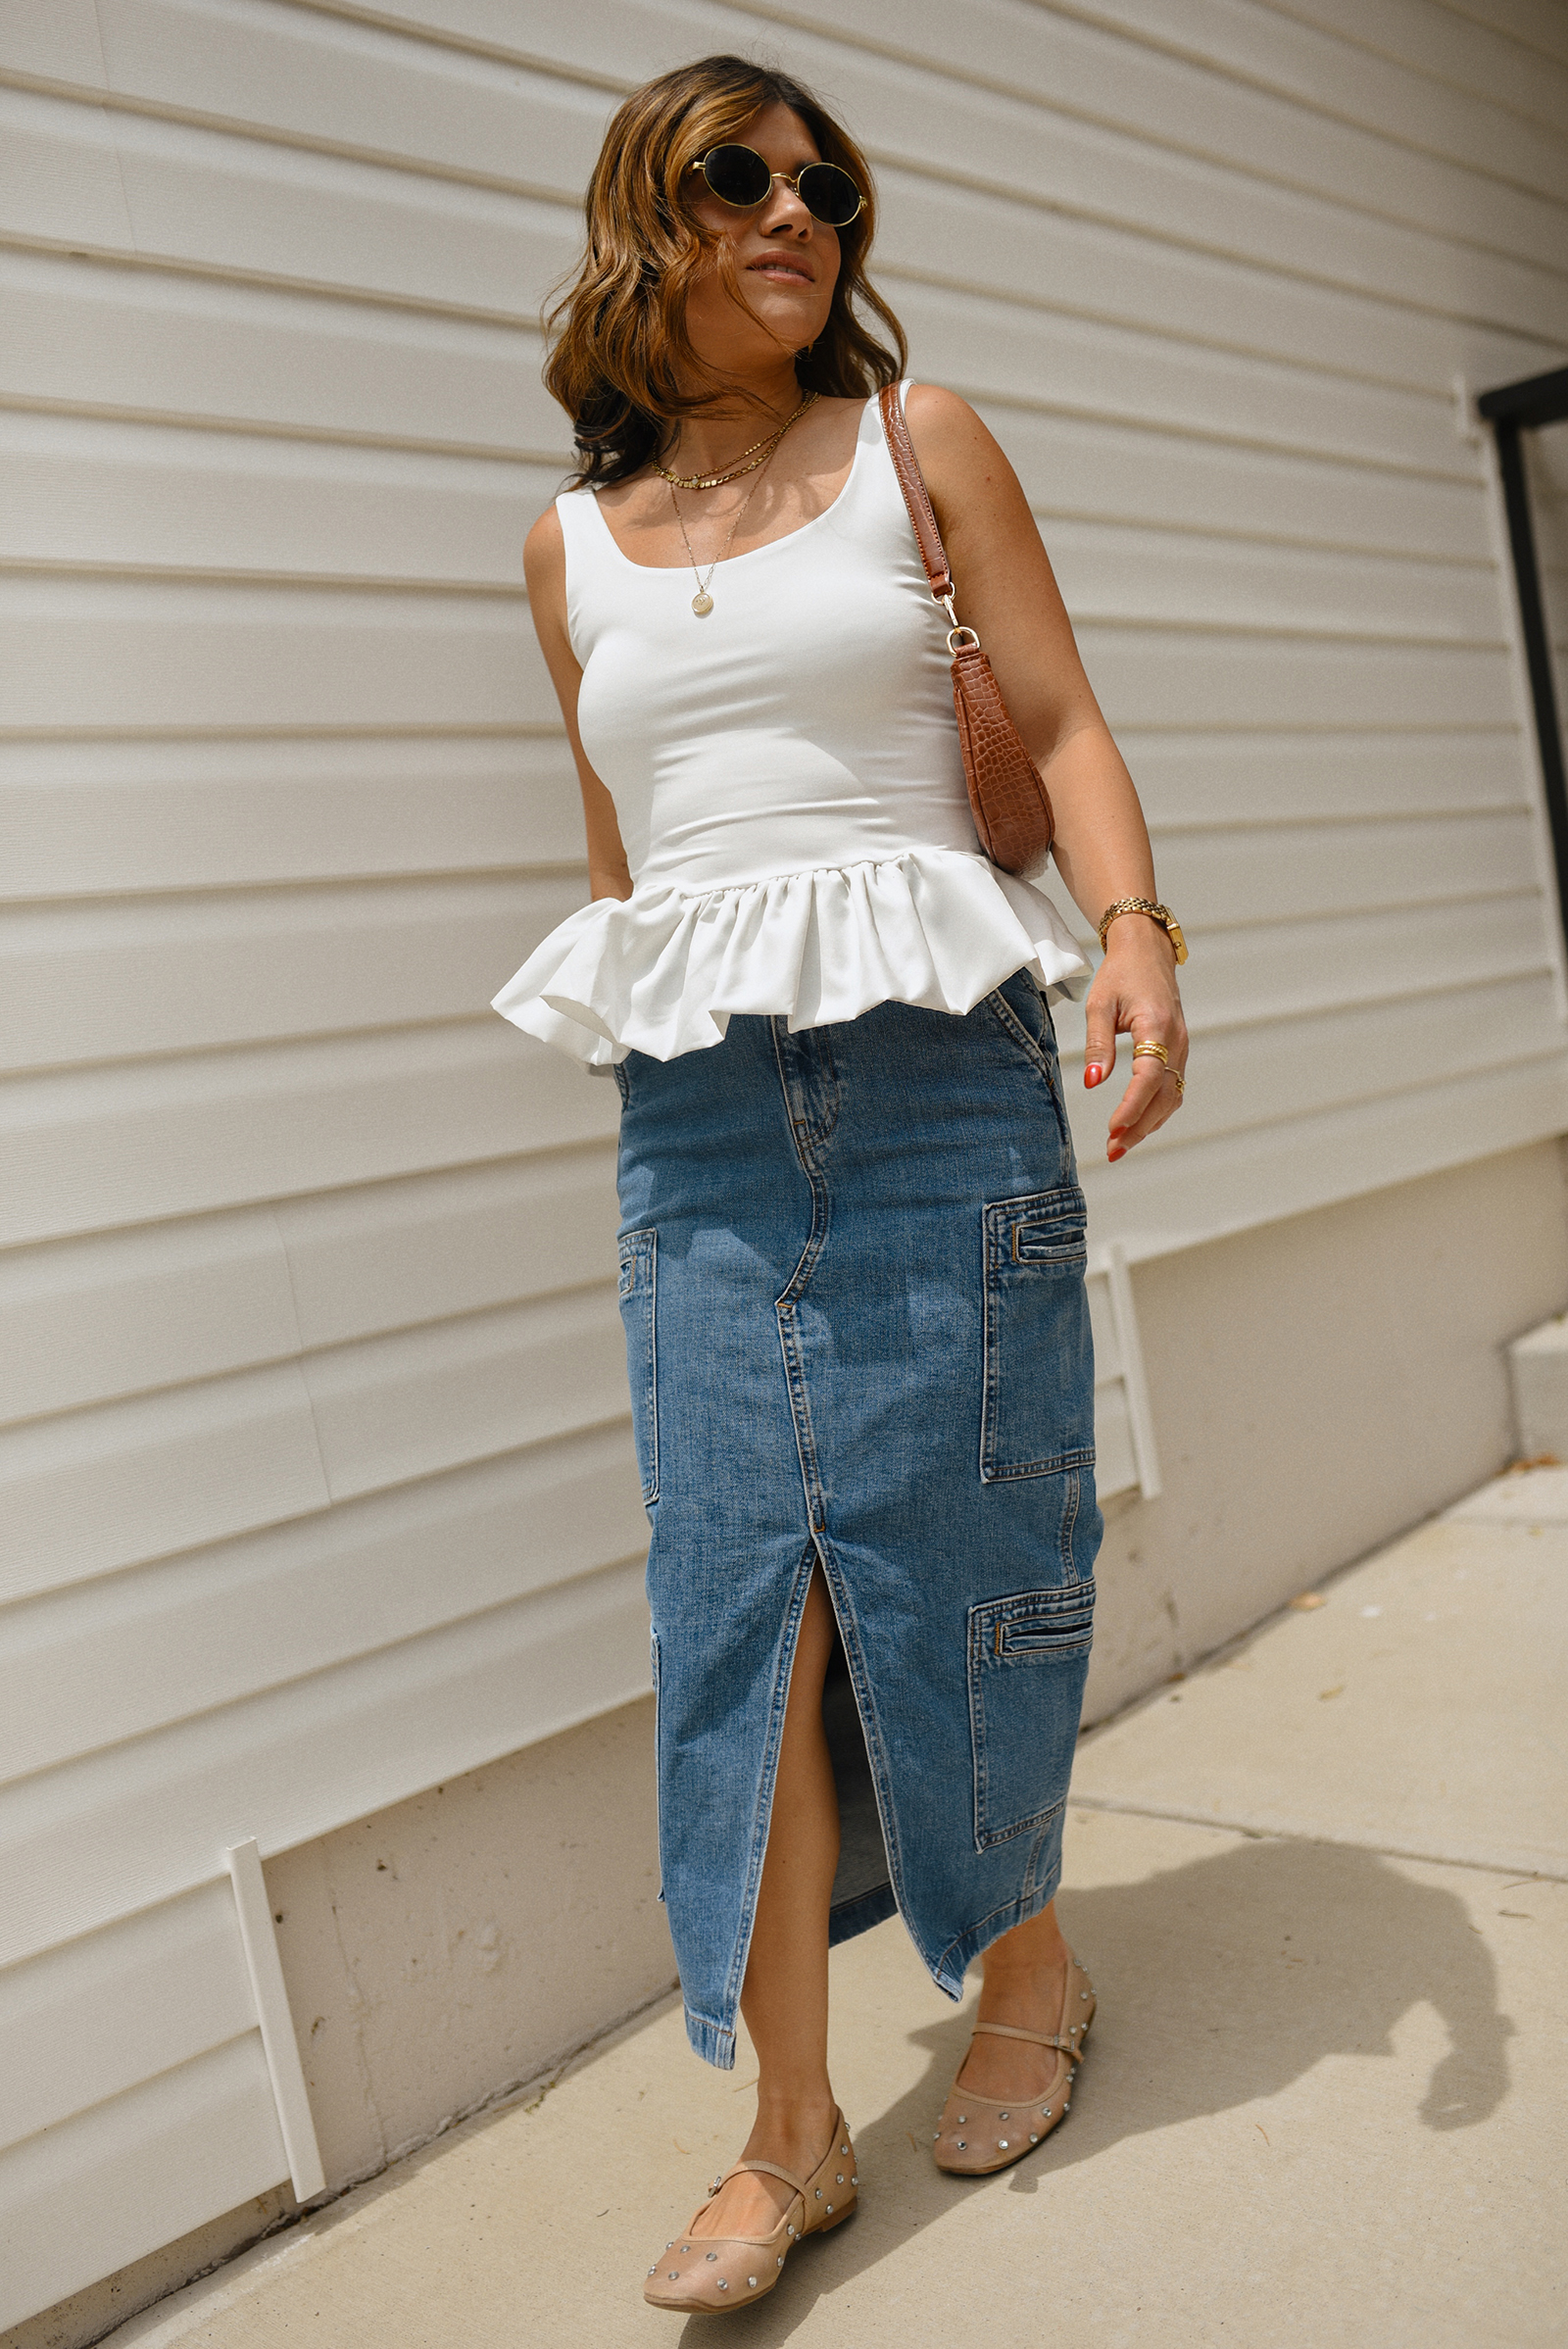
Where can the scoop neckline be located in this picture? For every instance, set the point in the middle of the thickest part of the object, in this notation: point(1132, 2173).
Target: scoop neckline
point(675, 570)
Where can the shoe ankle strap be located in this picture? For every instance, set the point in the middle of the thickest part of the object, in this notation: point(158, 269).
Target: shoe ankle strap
point(768, 2170)
point(1038, 2038)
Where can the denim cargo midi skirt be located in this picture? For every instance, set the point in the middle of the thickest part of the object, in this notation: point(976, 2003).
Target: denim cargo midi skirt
point(852, 1275)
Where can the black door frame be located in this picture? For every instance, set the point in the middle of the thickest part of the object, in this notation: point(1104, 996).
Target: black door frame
point(1511, 410)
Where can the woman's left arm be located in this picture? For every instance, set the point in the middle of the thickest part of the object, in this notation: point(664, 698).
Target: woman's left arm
point(1005, 591)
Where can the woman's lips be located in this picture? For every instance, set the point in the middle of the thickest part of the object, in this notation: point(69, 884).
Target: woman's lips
point(775, 268)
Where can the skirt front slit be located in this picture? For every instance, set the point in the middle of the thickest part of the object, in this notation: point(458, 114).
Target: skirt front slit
point(852, 1275)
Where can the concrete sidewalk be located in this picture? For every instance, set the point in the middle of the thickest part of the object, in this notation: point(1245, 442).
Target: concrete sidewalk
point(1323, 1887)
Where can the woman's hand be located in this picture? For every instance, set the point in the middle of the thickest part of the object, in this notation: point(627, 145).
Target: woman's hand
point(1135, 994)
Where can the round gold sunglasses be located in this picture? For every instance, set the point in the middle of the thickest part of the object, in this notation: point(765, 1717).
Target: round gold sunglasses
point(740, 176)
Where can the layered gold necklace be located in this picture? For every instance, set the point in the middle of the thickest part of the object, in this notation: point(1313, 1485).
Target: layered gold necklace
point(749, 461)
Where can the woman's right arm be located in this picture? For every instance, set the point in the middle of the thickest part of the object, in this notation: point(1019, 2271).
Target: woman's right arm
point(544, 566)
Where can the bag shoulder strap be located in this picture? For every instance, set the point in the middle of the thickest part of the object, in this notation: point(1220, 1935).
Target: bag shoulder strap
point(916, 497)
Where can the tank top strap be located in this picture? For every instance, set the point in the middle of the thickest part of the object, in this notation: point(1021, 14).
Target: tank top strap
point(591, 559)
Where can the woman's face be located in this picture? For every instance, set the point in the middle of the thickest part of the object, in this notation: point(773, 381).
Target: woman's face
point(786, 262)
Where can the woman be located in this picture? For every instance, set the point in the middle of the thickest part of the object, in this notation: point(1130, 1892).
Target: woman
point(851, 1251)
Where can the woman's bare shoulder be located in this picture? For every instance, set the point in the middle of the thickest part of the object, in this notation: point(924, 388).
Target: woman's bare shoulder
point(945, 431)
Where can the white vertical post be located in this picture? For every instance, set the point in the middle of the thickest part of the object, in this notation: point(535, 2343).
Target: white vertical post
point(1140, 1419)
point(278, 2043)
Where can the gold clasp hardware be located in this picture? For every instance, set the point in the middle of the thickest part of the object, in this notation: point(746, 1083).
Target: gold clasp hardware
point(958, 627)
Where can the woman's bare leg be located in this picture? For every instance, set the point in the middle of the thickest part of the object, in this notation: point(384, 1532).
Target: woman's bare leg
point(1025, 1976)
point(785, 1997)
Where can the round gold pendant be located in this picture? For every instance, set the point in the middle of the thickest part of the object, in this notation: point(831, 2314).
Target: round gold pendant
point(702, 604)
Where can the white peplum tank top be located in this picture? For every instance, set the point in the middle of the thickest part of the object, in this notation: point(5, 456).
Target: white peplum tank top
point(790, 789)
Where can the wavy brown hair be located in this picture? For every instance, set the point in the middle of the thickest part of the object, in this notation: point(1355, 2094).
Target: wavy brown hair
point(621, 349)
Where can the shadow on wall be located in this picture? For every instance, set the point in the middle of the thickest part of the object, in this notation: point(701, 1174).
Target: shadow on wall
point(1221, 1981)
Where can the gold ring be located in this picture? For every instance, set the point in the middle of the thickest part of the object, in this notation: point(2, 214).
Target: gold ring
point(1155, 1051)
point(1181, 1083)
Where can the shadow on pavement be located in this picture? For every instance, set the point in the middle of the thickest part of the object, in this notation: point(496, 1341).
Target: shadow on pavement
point(1220, 1984)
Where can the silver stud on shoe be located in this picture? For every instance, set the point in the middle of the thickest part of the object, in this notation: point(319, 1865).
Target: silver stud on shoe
point(963, 2144)
point(1002, 2143)
point(830, 2206)
point(1044, 2111)
point(674, 2275)
point(1034, 2140)
point(654, 2269)
point(839, 2178)
point(711, 2254)
point(962, 2116)
point(843, 2149)
point(1084, 1995)
point(722, 2285)
point(751, 2281)
point(780, 2260)
point(1004, 2116)
point(856, 2179)
point(819, 2193)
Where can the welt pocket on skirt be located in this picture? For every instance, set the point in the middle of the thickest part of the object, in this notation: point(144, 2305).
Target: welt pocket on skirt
point(638, 1253)
point(1037, 1412)
point(1028, 1658)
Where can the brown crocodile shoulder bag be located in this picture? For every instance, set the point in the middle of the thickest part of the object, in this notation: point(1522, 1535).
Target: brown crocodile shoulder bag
point(1010, 804)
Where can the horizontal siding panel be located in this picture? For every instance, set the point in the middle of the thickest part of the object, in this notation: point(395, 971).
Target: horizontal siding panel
point(93, 1492)
point(1362, 79)
point(994, 242)
point(75, 490)
point(83, 2199)
point(87, 335)
point(96, 1491)
point(82, 2023)
point(1114, 571)
point(1159, 1201)
point(1159, 678)
point(1436, 40)
point(57, 40)
point(101, 655)
point(91, 1320)
point(991, 350)
point(102, 982)
point(125, 184)
point(384, 1255)
point(392, 1408)
point(1198, 782)
point(112, 1832)
point(88, 1150)
point(1536, 25)
point(1086, 468)
point(182, 1637)
point(1293, 871)
point(114, 819)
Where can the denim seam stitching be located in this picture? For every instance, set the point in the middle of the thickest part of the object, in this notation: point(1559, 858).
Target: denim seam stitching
point(1040, 1060)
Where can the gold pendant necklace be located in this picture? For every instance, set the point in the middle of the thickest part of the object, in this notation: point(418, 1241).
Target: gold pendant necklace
point(701, 600)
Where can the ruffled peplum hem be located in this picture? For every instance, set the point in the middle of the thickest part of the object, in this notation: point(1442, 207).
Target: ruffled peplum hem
point(664, 973)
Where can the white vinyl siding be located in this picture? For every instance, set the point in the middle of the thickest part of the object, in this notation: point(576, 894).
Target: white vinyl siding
point(314, 1463)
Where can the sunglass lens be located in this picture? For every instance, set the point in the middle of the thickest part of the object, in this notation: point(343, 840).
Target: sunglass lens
point(737, 175)
point(829, 195)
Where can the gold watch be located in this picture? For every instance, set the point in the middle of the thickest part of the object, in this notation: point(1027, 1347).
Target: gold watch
point(1161, 913)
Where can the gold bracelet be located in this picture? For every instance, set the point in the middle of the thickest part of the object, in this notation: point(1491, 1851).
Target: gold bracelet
point(1161, 913)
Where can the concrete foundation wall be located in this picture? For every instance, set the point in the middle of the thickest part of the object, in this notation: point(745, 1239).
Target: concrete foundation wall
point(1316, 1386)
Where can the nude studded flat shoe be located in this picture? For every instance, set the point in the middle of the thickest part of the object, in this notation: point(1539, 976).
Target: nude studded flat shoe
point(716, 2274)
point(980, 2134)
